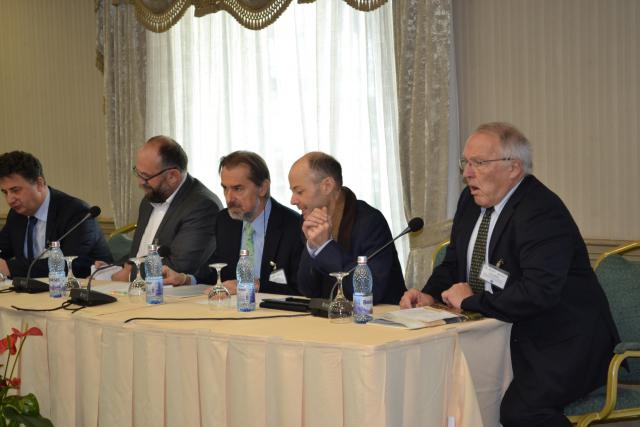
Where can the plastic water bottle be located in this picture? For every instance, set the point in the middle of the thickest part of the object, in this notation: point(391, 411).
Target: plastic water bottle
point(56, 271)
point(153, 278)
point(362, 292)
point(246, 289)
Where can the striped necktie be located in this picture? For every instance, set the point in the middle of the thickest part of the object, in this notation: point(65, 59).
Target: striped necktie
point(479, 251)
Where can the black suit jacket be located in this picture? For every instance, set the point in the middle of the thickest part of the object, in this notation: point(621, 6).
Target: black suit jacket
point(563, 333)
point(187, 229)
point(87, 241)
point(282, 245)
point(367, 231)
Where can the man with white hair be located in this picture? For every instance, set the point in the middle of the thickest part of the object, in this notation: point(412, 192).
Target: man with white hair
point(515, 254)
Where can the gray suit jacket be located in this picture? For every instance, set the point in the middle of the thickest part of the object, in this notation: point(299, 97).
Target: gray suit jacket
point(187, 229)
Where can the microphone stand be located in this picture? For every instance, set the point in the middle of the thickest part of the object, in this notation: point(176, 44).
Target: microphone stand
point(87, 297)
point(32, 286)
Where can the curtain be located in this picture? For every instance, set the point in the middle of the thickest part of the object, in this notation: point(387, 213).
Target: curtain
point(321, 78)
point(122, 54)
point(422, 30)
point(160, 15)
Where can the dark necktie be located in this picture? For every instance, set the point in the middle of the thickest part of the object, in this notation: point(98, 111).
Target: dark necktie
point(479, 251)
point(31, 225)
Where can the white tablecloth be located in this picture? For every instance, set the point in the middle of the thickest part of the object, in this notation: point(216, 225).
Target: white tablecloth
point(92, 369)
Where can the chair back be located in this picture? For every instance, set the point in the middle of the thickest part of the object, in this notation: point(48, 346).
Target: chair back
point(438, 254)
point(120, 243)
point(620, 279)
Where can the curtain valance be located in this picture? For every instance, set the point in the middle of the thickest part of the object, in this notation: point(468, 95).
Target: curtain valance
point(160, 15)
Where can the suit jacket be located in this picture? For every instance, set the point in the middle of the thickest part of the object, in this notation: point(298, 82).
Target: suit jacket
point(87, 241)
point(187, 229)
point(563, 333)
point(363, 229)
point(282, 245)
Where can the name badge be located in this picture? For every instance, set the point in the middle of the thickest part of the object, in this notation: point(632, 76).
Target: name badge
point(494, 275)
point(278, 276)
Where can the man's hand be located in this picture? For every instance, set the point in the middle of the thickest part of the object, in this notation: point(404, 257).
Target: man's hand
point(414, 298)
point(123, 275)
point(4, 268)
point(171, 277)
point(317, 227)
point(454, 296)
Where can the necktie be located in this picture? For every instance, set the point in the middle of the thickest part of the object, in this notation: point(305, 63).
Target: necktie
point(479, 251)
point(247, 240)
point(31, 225)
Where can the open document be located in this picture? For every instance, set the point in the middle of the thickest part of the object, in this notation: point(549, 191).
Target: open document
point(416, 318)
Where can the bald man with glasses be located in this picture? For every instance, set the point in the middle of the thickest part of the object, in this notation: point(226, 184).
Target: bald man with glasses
point(177, 210)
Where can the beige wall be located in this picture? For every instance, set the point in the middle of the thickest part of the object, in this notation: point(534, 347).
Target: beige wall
point(51, 94)
point(567, 72)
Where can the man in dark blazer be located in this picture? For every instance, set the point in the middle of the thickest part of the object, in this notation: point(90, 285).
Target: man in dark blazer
point(338, 228)
point(274, 233)
point(46, 214)
point(177, 212)
point(534, 272)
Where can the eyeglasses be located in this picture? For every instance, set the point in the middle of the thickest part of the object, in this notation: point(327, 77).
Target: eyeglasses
point(146, 179)
point(475, 164)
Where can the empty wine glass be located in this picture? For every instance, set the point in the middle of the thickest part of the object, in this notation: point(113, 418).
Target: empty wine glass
point(71, 282)
point(219, 296)
point(137, 288)
point(340, 309)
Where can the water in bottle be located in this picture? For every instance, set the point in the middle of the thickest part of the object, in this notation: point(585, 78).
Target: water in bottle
point(246, 289)
point(362, 292)
point(56, 271)
point(153, 278)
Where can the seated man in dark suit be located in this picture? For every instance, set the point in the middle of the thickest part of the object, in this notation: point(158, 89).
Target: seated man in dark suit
point(177, 211)
point(338, 228)
point(516, 255)
point(255, 221)
point(40, 214)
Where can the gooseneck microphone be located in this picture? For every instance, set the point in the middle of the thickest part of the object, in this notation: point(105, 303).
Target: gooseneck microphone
point(32, 286)
point(415, 224)
point(87, 297)
point(320, 306)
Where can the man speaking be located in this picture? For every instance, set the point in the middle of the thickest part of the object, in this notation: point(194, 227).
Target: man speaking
point(515, 254)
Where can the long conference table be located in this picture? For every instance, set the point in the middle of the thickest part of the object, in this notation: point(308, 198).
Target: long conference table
point(92, 369)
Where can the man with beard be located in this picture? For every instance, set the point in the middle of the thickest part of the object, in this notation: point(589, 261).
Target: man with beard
point(177, 211)
point(255, 221)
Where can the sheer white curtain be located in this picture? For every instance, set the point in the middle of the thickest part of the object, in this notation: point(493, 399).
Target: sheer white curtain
point(322, 77)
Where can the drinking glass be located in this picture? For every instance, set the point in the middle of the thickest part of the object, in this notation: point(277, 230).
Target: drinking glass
point(340, 309)
point(219, 296)
point(137, 288)
point(71, 282)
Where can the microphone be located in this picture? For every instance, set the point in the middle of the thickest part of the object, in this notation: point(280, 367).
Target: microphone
point(320, 306)
point(32, 286)
point(87, 297)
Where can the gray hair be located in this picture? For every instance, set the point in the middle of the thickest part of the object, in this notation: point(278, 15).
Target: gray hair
point(514, 144)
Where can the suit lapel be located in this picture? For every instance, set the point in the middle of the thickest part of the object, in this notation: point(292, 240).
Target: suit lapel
point(272, 236)
point(469, 219)
point(175, 207)
point(507, 213)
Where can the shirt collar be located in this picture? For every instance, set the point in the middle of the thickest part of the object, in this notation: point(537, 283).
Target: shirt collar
point(43, 210)
point(259, 224)
point(172, 196)
point(498, 208)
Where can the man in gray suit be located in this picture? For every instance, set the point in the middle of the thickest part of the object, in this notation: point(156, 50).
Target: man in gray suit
point(177, 211)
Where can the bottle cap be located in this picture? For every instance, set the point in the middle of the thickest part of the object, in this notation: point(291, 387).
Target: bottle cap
point(55, 244)
point(152, 248)
point(362, 259)
point(244, 252)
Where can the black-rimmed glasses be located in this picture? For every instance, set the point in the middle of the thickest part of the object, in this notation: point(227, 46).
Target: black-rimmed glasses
point(146, 179)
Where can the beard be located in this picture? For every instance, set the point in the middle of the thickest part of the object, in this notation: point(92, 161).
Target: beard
point(235, 211)
point(154, 195)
